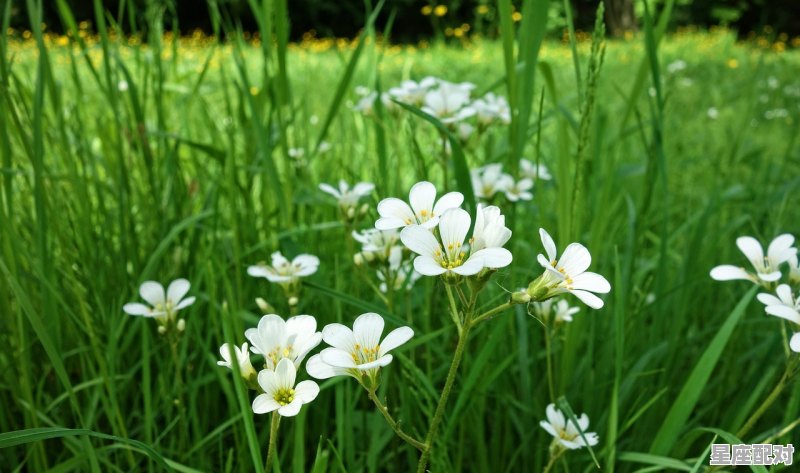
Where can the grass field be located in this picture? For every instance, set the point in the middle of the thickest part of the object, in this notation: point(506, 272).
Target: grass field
point(125, 162)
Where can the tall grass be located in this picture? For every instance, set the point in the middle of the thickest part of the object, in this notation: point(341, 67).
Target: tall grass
point(124, 161)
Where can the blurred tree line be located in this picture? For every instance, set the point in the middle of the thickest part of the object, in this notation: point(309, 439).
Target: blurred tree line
point(420, 19)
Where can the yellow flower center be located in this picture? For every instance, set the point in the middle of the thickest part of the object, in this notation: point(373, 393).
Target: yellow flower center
point(362, 354)
point(284, 396)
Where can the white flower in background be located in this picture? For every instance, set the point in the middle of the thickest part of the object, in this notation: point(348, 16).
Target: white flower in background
point(378, 244)
point(464, 131)
point(277, 339)
point(554, 310)
point(534, 171)
point(449, 102)
point(676, 66)
point(366, 104)
point(411, 92)
point(490, 229)
point(492, 108)
point(346, 196)
point(358, 352)
point(785, 306)
point(452, 255)
point(323, 147)
point(280, 393)
point(424, 209)
point(568, 274)
point(163, 305)
point(489, 180)
point(285, 271)
point(780, 250)
point(794, 269)
point(565, 431)
point(296, 153)
point(519, 190)
point(242, 359)
point(122, 86)
point(713, 113)
point(401, 273)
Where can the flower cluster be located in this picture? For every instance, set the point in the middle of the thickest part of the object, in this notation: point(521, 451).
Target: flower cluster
point(489, 181)
point(452, 103)
point(284, 344)
point(783, 299)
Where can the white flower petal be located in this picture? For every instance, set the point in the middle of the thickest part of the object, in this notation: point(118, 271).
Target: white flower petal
point(769, 277)
point(291, 409)
point(751, 249)
point(152, 292)
point(453, 227)
point(794, 343)
point(337, 358)
point(778, 250)
point(367, 329)
point(727, 272)
point(394, 339)
point(135, 308)
point(549, 244)
point(784, 293)
point(306, 391)
point(451, 200)
point(321, 370)
point(555, 417)
point(379, 363)
point(330, 190)
point(286, 373)
point(588, 298)
point(769, 299)
point(339, 336)
point(269, 382)
point(428, 266)
point(784, 312)
point(264, 403)
point(494, 257)
point(177, 289)
point(395, 213)
point(420, 241)
point(593, 282)
point(575, 259)
point(421, 197)
point(185, 303)
point(549, 428)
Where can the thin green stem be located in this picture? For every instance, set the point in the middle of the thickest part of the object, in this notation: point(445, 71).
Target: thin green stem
point(773, 396)
point(492, 312)
point(454, 309)
point(394, 424)
point(273, 440)
point(554, 456)
point(549, 356)
point(448, 385)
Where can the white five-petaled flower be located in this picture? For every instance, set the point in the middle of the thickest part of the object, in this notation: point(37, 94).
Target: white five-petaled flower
point(424, 209)
point(490, 229)
point(767, 269)
point(489, 180)
point(346, 196)
point(556, 311)
point(280, 392)
point(452, 255)
point(519, 190)
point(377, 243)
point(449, 102)
point(492, 108)
point(163, 305)
point(358, 352)
point(284, 271)
point(568, 274)
point(411, 92)
point(785, 306)
point(242, 359)
point(534, 171)
point(400, 273)
point(565, 431)
point(277, 339)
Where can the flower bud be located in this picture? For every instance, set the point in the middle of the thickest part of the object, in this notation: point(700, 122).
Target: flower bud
point(369, 256)
point(264, 306)
point(521, 297)
point(351, 212)
point(293, 301)
point(181, 326)
point(358, 259)
point(364, 209)
point(162, 330)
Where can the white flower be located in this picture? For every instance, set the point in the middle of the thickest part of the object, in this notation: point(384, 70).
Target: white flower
point(794, 269)
point(122, 85)
point(568, 274)
point(713, 113)
point(284, 271)
point(492, 108)
point(489, 180)
point(557, 311)
point(519, 190)
point(412, 93)
point(346, 196)
point(358, 352)
point(296, 153)
point(534, 171)
point(280, 392)
point(424, 209)
point(779, 251)
point(785, 306)
point(366, 104)
point(242, 359)
point(277, 339)
point(676, 66)
point(449, 102)
point(464, 131)
point(450, 256)
point(490, 229)
point(566, 432)
point(163, 305)
point(376, 242)
point(401, 273)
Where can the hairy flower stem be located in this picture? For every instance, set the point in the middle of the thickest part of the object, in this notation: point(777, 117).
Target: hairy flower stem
point(448, 385)
point(273, 440)
point(453, 309)
point(549, 353)
point(773, 396)
point(394, 424)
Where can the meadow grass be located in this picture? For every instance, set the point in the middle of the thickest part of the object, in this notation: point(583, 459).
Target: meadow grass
point(125, 161)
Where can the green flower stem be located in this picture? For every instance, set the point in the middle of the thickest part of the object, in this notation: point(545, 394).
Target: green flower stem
point(555, 454)
point(453, 309)
point(448, 385)
point(773, 396)
point(489, 313)
point(273, 440)
point(393, 423)
point(549, 354)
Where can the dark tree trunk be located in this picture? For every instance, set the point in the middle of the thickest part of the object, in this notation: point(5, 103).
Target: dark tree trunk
point(620, 17)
